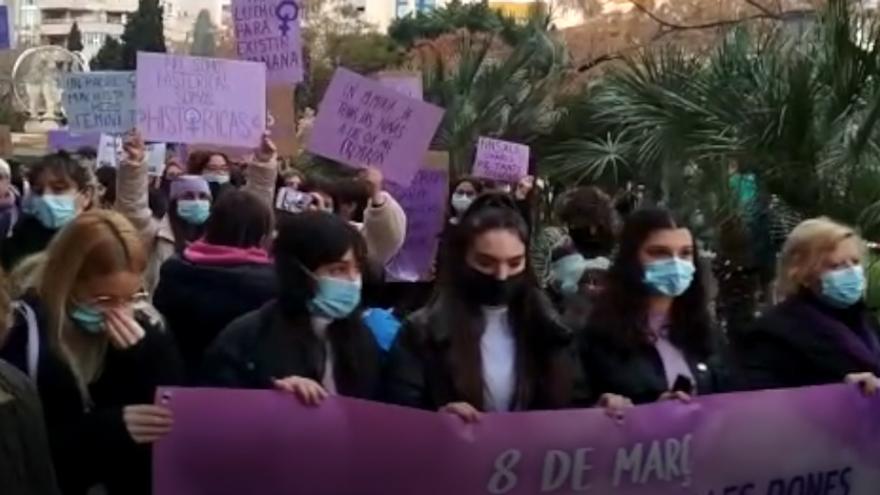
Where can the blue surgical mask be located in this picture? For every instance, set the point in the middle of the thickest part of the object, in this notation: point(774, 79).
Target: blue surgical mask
point(670, 277)
point(335, 298)
point(844, 287)
point(216, 178)
point(87, 318)
point(194, 211)
point(53, 210)
point(461, 202)
point(567, 272)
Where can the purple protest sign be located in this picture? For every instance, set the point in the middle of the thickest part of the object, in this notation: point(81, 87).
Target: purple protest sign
point(268, 31)
point(362, 123)
point(5, 41)
point(501, 160)
point(68, 141)
point(200, 100)
point(424, 202)
point(760, 443)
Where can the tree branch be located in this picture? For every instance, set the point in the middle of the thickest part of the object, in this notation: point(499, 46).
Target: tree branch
point(765, 14)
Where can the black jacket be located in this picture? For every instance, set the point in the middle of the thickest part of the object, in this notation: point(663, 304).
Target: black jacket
point(638, 373)
point(803, 342)
point(199, 300)
point(91, 445)
point(420, 370)
point(264, 345)
point(25, 461)
point(28, 237)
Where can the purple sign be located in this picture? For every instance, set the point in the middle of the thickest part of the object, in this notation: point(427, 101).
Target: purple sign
point(424, 202)
point(362, 123)
point(501, 160)
point(268, 31)
point(407, 84)
point(823, 440)
point(200, 100)
point(68, 141)
point(5, 41)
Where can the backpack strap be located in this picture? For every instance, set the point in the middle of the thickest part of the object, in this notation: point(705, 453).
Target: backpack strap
point(33, 338)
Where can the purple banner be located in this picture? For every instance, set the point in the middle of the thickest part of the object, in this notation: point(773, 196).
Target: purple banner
point(362, 123)
point(268, 31)
point(407, 84)
point(424, 202)
point(5, 42)
point(823, 440)
point(71, 142)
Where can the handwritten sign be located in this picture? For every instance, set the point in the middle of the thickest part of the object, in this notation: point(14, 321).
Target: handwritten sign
point(110, 154)
point(424, 202)
point(200, 100)
point(5, 39)
point(99, 101)
point(62, 140)
point(501, 160)
point(407, 83)
point(362, 123)
point(282, 119)
point(267, 31)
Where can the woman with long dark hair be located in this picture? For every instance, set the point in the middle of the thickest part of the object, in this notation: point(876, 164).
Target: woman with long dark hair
point(311, 340)
point(489, 341)
point(650, 335)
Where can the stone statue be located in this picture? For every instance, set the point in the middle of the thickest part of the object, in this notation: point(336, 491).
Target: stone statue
point(36, 81)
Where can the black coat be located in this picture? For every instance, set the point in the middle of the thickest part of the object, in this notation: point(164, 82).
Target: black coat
point(265, 345)
point(28, 237)
point(25, 461)
point(91, 445)
point(803, 342)
point(638, 373)
point(420, 370)
point(199, 300)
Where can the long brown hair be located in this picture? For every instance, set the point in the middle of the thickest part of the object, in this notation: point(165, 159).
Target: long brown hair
point(97, 243)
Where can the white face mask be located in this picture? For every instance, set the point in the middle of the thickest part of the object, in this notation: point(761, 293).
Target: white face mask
point(461, 202)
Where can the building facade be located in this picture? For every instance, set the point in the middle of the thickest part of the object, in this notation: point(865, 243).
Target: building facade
point(180, 17)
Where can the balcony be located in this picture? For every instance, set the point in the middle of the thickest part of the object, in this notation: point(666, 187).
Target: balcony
point(63, 28)
point(89, 5)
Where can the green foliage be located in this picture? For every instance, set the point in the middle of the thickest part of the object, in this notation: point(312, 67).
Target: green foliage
point(109, 57)
point(144, 32)
point(476, 17)
point(74, 38)
point(204, 42)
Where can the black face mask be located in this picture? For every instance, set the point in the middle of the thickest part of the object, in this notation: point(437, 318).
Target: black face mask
point(486, 290)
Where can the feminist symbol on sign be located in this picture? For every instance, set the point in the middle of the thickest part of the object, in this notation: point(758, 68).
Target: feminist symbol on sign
point(286, 12)
point(192, 117)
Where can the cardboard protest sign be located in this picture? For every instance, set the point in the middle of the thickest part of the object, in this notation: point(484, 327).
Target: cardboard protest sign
point(200, 100)
point(110, 154)
point(99, 101)
point(5, 37)
point(407, 83)
point(362, 123)
point(5, 141)
point(267, 31)
point(424, 202)
point(282, 119)
point(501, 160)
point(70, 141)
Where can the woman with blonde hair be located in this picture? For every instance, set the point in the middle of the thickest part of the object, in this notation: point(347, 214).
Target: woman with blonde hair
point(821, 331)
point(96, 359)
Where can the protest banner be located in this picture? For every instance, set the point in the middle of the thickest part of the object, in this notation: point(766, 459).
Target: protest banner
point(110, 153)
point(362, 123)
point(5, 37)
point(99, 101)
point(184, 99)
point(6, 148)
point(407, 83)
point(63, 140)
point(424, 202)
point(268, 31)
point(282, 119)
point(501, 160)
point(820, 440)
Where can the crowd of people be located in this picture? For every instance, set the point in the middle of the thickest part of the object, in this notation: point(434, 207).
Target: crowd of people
point(120, 285)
